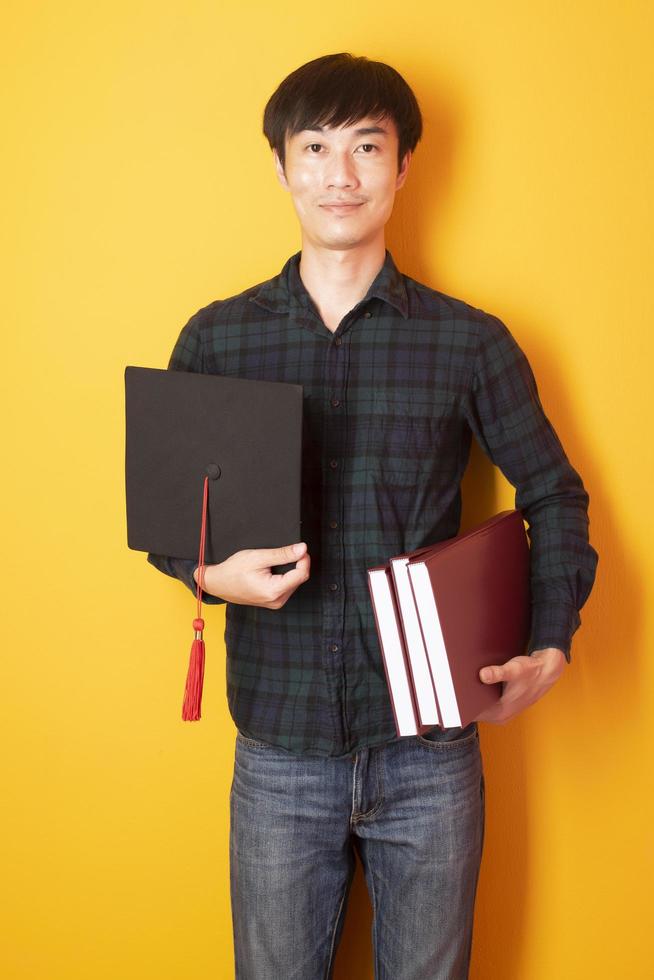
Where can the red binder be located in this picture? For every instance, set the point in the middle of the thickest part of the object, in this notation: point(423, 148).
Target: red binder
point(445, 611)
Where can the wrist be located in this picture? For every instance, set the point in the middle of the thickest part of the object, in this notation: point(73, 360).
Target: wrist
point(208, 584)
point(553, 658)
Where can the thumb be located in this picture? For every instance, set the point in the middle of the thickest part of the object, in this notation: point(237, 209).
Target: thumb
point(491, 674)
point(278, 556)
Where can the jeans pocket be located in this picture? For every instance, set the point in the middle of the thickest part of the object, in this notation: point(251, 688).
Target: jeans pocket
point(252, 742)
point(449, 738)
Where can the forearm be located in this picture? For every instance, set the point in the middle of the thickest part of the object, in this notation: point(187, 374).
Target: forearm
point(563, 562)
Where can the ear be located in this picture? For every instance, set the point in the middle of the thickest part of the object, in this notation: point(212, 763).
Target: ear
point(403, 171)
point(281, 176)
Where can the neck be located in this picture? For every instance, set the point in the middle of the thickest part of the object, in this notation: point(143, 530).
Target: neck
point(337, 279)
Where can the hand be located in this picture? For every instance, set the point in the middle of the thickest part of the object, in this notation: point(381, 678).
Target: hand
point(526, 679)
point(246, 578)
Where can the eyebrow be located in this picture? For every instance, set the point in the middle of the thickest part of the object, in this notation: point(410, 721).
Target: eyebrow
point(364, 131)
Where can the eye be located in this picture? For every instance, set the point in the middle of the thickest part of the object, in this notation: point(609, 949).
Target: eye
point(370, 146)
point(311, 145)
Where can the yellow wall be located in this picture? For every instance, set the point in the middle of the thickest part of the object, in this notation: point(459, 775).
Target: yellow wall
point(138, 188)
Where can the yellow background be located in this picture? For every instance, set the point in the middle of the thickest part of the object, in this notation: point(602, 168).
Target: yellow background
point(138, 187)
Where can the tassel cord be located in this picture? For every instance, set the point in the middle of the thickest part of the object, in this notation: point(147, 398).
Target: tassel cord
point(195, 677)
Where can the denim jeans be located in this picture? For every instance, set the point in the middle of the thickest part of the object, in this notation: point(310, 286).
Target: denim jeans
point(414, 811)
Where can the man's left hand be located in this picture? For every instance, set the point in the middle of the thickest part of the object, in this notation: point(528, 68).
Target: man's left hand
point(525, 680)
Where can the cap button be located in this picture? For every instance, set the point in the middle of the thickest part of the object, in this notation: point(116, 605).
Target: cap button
point(213, 471)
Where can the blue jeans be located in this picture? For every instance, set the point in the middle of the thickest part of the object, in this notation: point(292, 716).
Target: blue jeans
point(414, 811)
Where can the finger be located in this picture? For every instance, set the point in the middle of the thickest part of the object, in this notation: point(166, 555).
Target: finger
point(492, 674)
point(266, 557)
point(495, 715)
point(511, 670)
point(290, 580)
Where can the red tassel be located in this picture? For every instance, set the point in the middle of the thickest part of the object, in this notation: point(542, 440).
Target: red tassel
point(195, 676)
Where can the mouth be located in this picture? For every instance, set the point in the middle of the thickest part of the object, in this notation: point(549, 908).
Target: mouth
point(341, 208)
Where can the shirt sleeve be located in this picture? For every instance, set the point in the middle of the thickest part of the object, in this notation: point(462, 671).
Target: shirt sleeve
point(182, 569)
point(186, 356)
point(505, 414)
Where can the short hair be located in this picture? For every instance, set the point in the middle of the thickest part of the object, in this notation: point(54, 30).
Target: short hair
point(338, 90)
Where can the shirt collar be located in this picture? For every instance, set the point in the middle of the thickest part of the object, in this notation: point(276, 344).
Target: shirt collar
point(286, 290)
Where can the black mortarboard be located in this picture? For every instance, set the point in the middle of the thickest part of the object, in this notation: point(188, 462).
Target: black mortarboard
point(212, 466)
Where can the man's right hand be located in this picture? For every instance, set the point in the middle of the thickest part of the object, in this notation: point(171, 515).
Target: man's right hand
point(246, 577)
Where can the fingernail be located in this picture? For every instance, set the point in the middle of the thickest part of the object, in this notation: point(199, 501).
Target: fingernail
point(298, 548)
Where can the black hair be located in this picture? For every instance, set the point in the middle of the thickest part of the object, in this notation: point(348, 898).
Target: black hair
point(338, 90)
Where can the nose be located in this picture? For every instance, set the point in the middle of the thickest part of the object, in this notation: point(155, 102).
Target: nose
point(341, 171)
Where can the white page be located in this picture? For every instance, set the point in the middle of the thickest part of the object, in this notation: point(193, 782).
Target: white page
point(435, 643)
point(423, 684)
point(394, 656)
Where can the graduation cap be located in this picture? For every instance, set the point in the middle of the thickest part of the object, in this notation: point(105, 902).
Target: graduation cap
point(215, 460)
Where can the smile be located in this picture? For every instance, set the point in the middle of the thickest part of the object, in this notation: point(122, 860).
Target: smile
point(340, 208)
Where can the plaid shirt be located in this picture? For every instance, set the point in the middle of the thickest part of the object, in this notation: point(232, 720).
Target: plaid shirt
point(392, 399)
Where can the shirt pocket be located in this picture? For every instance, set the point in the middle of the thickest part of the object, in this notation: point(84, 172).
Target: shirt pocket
point(402, 444)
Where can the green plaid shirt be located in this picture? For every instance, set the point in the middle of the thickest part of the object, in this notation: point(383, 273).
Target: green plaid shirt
point(392, 399)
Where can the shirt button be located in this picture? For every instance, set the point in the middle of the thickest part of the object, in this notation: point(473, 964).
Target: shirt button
point(337, 341)
point(334, 648)
point(335, 402)
point(333, 586)
point(333, 523)
point(333, 463)
point(367, 314)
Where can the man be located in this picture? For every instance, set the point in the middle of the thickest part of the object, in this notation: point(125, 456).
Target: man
point(397, 378)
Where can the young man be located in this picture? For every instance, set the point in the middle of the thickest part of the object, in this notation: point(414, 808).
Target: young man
point(397, 377)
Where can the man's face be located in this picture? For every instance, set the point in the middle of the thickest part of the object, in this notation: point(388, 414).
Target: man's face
point(343, 181)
